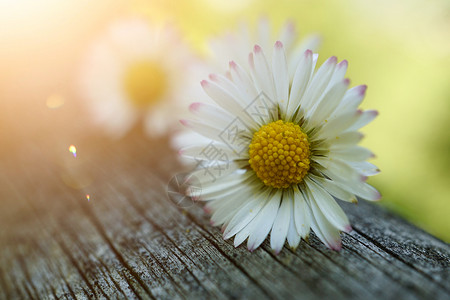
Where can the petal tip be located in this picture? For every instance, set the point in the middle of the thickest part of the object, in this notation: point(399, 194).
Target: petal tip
point(194, 107)
point(213, 77)
point(278, 44)
point(332, 60)
point(348, 228)
point(257, 49)
point(343, 64)
point(184, 122)
point(308, 53)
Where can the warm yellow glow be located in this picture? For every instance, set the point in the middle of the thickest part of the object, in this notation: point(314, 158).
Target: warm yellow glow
point(279, 154)
point(145, 82)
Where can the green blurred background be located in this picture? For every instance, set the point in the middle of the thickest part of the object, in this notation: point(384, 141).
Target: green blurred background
point(400, 49)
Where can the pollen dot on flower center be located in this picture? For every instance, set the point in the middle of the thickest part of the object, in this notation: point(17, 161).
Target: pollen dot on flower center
point(279, 154)
point(145, 82)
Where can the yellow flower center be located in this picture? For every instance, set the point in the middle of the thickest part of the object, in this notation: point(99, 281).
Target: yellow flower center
point(145, 82)
point(279, 154)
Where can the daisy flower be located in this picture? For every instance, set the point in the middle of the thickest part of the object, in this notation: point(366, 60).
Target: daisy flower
point(135, 72)
point(281, 150)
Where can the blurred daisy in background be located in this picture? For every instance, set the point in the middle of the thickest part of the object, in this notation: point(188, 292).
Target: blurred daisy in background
point(136, 72)
point(281, 148)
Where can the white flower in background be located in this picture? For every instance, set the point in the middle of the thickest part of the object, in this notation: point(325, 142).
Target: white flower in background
point(281, 148)
point(136, 72)
point(235, 45)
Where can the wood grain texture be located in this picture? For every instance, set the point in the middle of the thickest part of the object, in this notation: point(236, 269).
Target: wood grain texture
point(130, 241)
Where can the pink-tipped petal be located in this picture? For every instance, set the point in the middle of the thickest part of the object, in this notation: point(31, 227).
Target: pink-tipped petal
point(185, 123)
point(342, 64)
point(232, 64)
point(251, 60)
point(332, 60)
point(378, 198)
point(213, 77)
point(290, 25)
point(362, 89)
point(278, 44)
point(257, 49)
point(194, 107)
point(204, 83)
point(348, 228)
point(337, 246)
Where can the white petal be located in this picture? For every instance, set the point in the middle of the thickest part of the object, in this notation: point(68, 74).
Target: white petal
point(293, 237)
point(299, 82)
point(288, 34)
point(281, 225)
point(262, 73)
point(264, 221)
point(212, 151)
point(354, 153)
point(243, 81)
point(365, 118)
point(345, 139)
point(252, 225)
point(330, 209)
point(326, 232)
point(221, 188)
point(318, 83)
point(339, 73)
point(301, 214)
point(332, 188)
point(337, 126)
point(365, 168)
point(207, 130)
point(361, 189)
point(323, 108)
point(264, 33)
point(311, 43)
point(212, 171)
point(226, 208)
point(211, 114)
point(246, 214)
point(337, 170)
point(280, 75)
point(224, 99)
point(352, 99)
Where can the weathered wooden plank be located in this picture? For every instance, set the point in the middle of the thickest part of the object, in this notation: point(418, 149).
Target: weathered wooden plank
point(130, 241)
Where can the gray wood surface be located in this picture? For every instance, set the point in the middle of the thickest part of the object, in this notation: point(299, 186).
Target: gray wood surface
point(130, 241)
